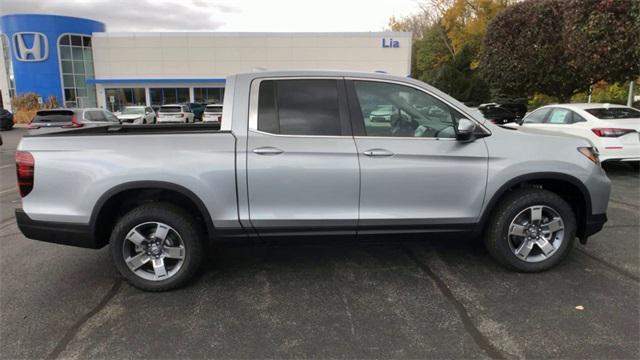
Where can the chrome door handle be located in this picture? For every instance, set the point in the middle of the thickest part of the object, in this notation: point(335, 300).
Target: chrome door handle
point(378, 152)
point(267, 150)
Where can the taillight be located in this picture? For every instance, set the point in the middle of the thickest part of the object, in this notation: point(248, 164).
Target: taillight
point(25, 165)
point(611, 132)
point(74, 122)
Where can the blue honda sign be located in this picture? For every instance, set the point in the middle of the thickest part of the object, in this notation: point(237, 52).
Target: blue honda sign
point(37, 50)
point(33, 40)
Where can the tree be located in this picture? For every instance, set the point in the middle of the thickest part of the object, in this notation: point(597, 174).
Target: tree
point(561, 47)
point(524, 52)
point(459, 80)
point(447, 38)
point(602, 39)
point(431, 53)
point(465, 22)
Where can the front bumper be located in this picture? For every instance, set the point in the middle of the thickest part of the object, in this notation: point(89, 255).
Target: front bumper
point(57, 232)
point(593, 224)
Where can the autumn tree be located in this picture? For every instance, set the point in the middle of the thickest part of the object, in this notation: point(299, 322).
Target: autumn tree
point(447, 38)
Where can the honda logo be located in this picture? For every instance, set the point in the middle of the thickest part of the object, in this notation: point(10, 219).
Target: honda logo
point(30, 46)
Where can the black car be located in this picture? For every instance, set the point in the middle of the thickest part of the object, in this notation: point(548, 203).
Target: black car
point(6, 119)
point(502, 113)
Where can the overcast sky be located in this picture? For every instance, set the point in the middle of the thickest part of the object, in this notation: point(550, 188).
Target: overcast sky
point(224, 15)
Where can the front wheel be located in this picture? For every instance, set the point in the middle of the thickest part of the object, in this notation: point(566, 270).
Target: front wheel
point(531, 230)
point(157, 247)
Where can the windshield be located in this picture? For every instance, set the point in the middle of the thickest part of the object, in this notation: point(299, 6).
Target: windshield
point(170, 109)
point(215, 109)
point(614, 113)
point(133, 111)
point(53, 116)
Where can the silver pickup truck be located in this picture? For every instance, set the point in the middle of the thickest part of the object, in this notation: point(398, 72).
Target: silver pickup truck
point(310, 153)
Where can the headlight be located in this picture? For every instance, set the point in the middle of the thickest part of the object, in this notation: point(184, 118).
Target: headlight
point(591, 153)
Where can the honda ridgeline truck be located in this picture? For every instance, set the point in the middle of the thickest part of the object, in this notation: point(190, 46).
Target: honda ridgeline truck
point(300, 153)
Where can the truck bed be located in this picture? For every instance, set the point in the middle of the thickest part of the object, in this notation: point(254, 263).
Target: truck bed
point(74, 168)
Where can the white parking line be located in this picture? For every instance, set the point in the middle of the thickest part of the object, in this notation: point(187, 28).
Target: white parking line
point(7, 191)
point(7, 166)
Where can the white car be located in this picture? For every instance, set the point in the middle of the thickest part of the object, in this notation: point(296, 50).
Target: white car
point(613, 129)
point(137, 115)
point(175, 113)
point(212, 113)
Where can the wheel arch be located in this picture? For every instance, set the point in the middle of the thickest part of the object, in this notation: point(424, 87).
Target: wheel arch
point(568, 187)
point(112, 203)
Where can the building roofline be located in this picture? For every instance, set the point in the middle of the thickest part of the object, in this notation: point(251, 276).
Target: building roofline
point(252, 34)
point(54, 15)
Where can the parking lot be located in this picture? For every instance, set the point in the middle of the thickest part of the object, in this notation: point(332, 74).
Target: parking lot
point(335, 299)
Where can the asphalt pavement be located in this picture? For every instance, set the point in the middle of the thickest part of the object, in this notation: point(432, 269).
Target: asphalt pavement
point(335, 299)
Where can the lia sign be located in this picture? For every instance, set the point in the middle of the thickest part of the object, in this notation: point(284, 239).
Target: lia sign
point(390, 43)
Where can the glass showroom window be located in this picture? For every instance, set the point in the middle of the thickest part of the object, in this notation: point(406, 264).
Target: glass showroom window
point(116, 99)
point(76, 63)
point(8, 65)
point(208, 95)
point(164, 96)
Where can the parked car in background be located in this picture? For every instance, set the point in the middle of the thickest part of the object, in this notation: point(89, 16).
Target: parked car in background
point(613, 129)
point(6, 119)
point(72, 118)
point(197, 109)
point(285, 163)
point(382, 113)
point(212, 114)
point(498, 114)
point(175, 113)
point(137, 115)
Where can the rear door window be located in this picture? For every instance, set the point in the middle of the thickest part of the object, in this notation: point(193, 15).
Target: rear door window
point(299, 107)
point(95, 115)
point(213, 109)
point(170, 109)
point(560, 116)
point(536, 117)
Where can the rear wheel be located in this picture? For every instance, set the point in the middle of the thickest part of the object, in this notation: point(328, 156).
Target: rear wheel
point(157, 247)
point(531, 230)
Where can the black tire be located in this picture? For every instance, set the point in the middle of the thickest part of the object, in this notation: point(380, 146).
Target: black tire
point(189, 231)
point(497, 238)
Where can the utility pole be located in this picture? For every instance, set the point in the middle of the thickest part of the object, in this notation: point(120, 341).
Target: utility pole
point(632, 92)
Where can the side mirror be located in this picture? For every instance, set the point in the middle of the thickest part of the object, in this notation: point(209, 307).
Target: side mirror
point(466, 130)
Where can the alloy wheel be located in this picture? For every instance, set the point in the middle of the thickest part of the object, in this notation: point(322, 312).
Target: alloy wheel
point(153, 251)
point(536, 233)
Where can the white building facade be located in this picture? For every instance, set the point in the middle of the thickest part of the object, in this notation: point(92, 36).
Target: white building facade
point(161, 68)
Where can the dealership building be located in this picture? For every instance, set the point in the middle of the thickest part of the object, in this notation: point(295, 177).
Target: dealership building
point(81, 64)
